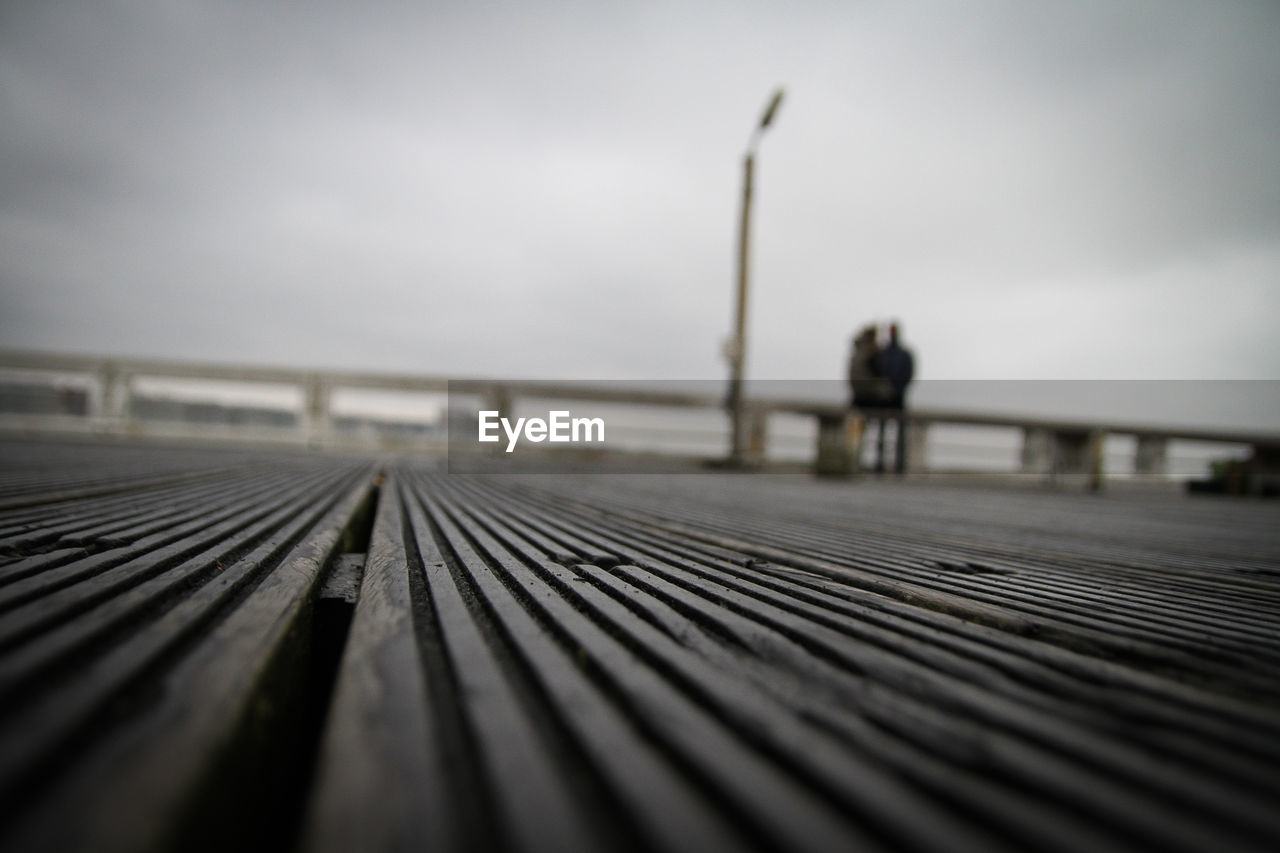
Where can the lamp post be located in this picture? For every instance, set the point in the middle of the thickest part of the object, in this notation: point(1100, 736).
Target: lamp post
point(737, 350)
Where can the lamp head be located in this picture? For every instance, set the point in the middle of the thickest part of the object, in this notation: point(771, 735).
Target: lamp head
point(771, 110)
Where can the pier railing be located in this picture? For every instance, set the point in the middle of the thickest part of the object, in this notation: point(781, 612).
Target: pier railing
point(100, 396)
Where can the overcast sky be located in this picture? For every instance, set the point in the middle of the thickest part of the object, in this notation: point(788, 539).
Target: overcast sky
point(1036, 190)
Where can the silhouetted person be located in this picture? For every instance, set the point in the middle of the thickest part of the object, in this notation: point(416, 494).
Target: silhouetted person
point(895, 364)
point(867, 390)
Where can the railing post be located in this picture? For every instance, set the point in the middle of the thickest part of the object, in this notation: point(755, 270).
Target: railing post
point(838, 446)
point(1037, 451)
point(917, 441)
point(1151, 456)
point(112, 411)
point(1096, 444)
point(1077, 457)
point(757, 425)
point(497, 398)
point(317, 422)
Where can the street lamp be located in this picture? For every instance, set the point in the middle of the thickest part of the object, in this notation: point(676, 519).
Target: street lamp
point(737, 349)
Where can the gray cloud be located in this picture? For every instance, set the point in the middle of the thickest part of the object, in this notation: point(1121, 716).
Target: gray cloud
point(1085, 190)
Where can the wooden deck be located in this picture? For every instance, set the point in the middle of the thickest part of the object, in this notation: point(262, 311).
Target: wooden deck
point(235, 650)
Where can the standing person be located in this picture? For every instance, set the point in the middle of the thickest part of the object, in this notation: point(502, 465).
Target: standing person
point(896, 364)
point(865, 391)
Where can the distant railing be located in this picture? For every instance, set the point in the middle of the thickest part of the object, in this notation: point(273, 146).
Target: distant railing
point(103, 400)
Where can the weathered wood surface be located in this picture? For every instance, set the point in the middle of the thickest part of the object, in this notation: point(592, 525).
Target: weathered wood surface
point(583, 662)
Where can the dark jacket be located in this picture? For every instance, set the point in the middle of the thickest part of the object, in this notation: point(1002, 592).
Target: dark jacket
point(896, 364)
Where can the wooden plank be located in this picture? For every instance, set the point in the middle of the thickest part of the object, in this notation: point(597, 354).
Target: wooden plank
point(547, 662)
point(384, 779)
point(133, 716)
